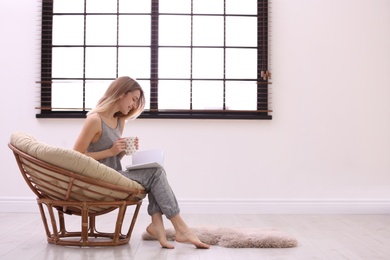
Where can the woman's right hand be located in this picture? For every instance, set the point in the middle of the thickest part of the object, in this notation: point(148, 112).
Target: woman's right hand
point(119, 146)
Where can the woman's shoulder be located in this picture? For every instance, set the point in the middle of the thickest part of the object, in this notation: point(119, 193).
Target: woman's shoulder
point(94, 116)
point(93, 120)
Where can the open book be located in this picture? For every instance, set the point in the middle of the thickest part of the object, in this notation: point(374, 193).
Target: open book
point(147, 159)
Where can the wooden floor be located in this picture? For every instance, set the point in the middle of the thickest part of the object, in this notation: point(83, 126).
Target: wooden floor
point(320, 237)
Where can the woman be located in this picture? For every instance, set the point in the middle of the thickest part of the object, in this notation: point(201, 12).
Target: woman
point(100, 138)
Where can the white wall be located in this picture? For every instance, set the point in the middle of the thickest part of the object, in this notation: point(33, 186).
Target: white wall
point(326, 150)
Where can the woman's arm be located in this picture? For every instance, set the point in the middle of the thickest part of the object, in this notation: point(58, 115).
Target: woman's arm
point(91, 132)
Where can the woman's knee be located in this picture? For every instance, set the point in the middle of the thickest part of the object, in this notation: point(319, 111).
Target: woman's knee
point(160, 172)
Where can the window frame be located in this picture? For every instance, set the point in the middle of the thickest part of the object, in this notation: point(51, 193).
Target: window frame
point(263, 99)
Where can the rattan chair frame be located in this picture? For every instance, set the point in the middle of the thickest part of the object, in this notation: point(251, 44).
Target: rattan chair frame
point(54, 198)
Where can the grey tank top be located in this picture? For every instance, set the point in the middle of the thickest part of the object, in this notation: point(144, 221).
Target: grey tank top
point(107, 139)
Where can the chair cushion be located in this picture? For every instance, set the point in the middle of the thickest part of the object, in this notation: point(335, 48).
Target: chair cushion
point(75, 162)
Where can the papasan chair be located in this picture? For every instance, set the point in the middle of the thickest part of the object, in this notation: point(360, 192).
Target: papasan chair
point(67, 182)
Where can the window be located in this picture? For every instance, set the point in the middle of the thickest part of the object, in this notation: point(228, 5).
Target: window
point(194, 58)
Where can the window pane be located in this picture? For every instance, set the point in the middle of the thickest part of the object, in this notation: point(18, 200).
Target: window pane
point(207, 95)
point(66, 6)
point(175, 6)
point(174, 63)
point(241, 64)
point(94, 90)
point(208, 30)
point(207, 63)
point(134, 6)
point(241, 95)
point(134, 30)
point(67, 63)
point(173, 94)
point(134, 62)
point(175, 30)
point(68, 30)
point(67, 95)
point(101, 6)
point(101, 29)
point(100, 62)
point(208, 6)
point(241, 7)
point(236, 36)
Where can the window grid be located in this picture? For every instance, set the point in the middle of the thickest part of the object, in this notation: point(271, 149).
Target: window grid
point(262, 111)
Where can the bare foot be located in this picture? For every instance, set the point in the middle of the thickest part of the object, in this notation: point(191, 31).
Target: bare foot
point(159, 234)
point(189, 237)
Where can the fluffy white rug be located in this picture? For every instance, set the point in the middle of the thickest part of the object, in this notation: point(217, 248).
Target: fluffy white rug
point(238, 237)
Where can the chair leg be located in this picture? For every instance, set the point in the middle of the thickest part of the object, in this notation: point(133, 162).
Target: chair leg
point(55, 236)
point(44, 219)
point(119, 222)
point(92, 226)
point(61, 220)
point(134, 219)
point(84, 224)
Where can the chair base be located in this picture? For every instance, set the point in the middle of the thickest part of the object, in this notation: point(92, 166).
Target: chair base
point(88, 236)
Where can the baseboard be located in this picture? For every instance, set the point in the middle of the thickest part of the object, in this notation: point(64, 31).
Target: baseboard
point(18, 204)
point(29, 205)
point(286, 207)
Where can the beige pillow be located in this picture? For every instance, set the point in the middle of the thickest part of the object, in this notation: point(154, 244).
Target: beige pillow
point(77, 163)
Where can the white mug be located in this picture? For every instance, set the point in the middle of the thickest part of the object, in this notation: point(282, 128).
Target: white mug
point(130, 145)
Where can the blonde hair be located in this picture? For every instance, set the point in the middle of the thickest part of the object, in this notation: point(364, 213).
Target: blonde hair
point(117, 88)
